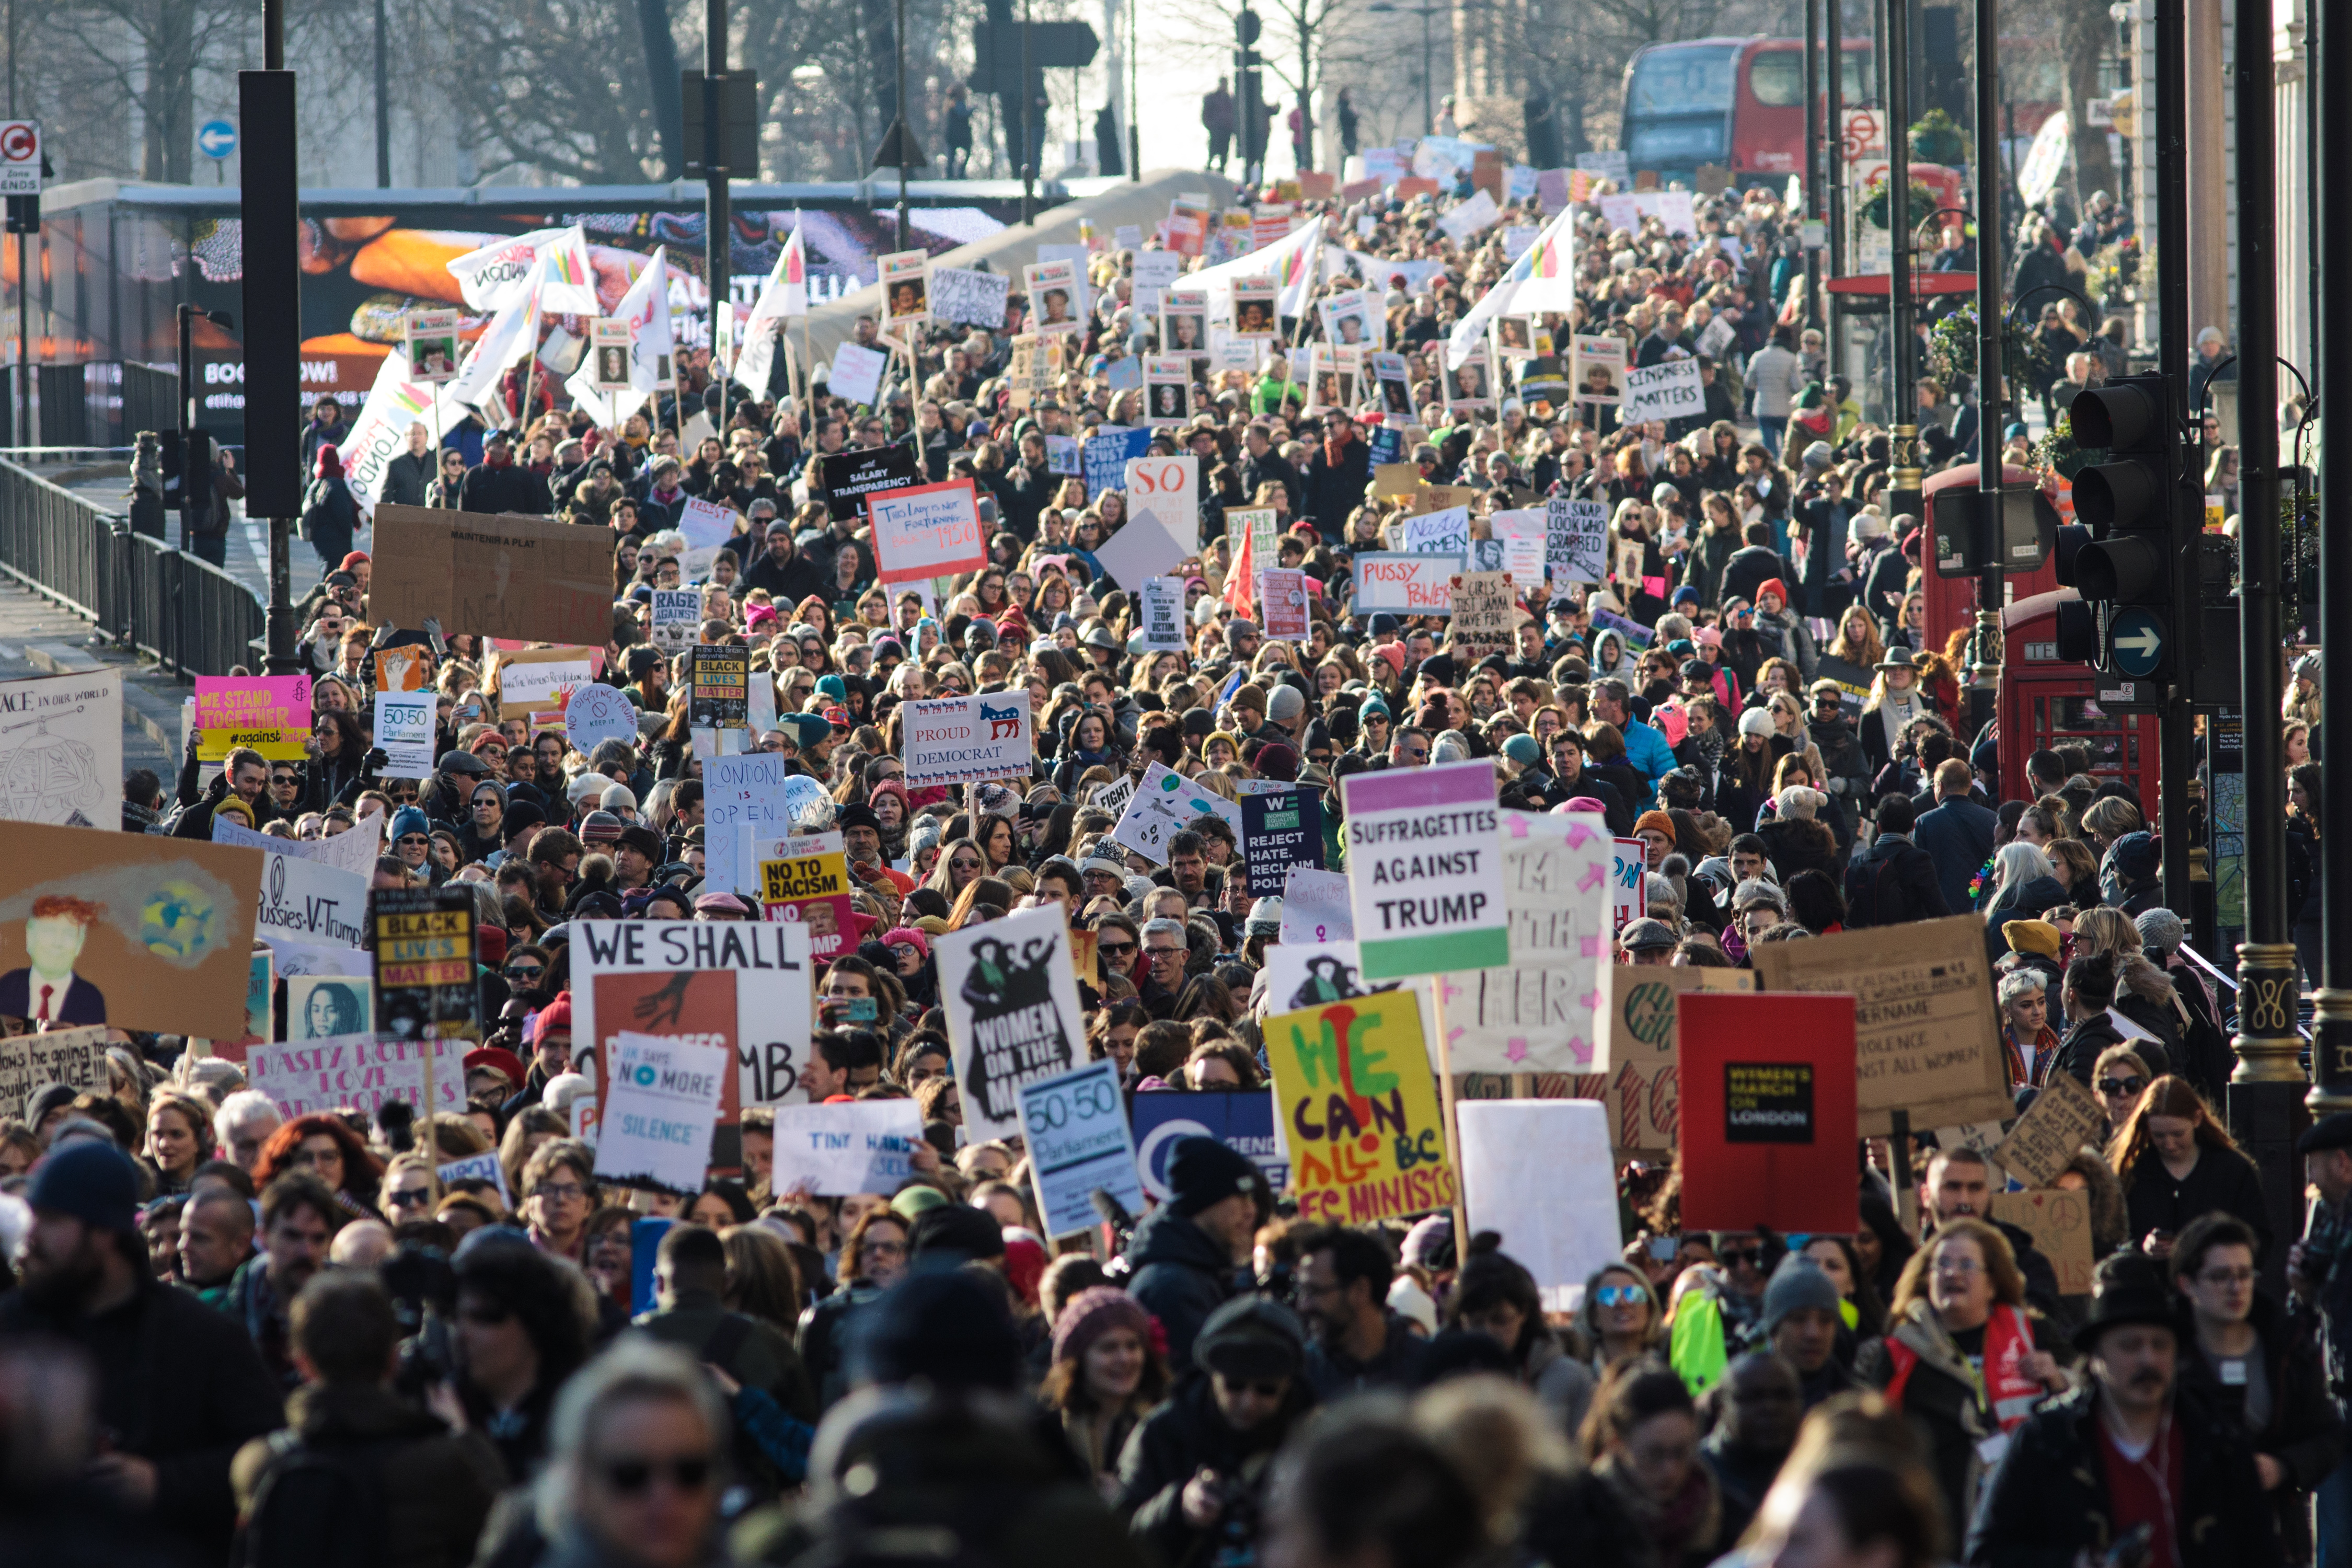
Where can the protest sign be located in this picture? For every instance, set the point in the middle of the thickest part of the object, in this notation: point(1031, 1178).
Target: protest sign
point(1359, 1107)
point(857, 375)
point(61, 750)
point(307, 901)
point(126, 929)
point(2063, 1118)
point(597, 713)
point(1524, 534)
point(1308, 975)
point(1184, 322)
point(837, 1151)
point(1052, 290)
point(1405, 584)
point(608, 346)
point(1636, 1078)
point(1074, 1127)
point(500, 575)
point(1596, 368)
point(1279, 831)
point(677, 618)
point(1107, 451)
point(364, 1071)
point(266, 713)
point(1242, 1121)
point(1012, 1001)
point(322, 1006)
point(1539, 1172)
point(1619, 212)
point(967, 740)
point(1166, 803)
point(1282, 604)
point(1439, 497)
point(1166, 390)
point(1188, 225)
point(804, 878)
point(1162, 599)
point(720, 697)
point(1628, 871)
point(403, 732)
point(1767, 1112)
point(1390, 479)
point(1154, 272)
point(1315, 907)
point(1468, 217)
point(481, 1167)
point(74, 1058)
point(850, 475)
point(299, 958)
point(1447, 530)
point(1485, 615)
point(706, 525)
point(1062, 455)
point(1576, 539)
point(424, 942)
point(534, 685)
point(1149, 542)
point(655, 1125)
point(970, 298)
point(927, 531)
point(1169, 489)
point(906, 288)
point(740, 794)
point(1926, 1037)
point(1541, 1013)
point(1675, 212)
point(1668, 390)
point(1854, 682)
point(1424, 871)
point(2059, 1220)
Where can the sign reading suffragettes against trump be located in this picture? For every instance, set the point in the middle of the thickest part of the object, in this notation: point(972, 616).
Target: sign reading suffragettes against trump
point(967, 740)
point(1424, 869)
point(927, 531)
point(1356, 1099)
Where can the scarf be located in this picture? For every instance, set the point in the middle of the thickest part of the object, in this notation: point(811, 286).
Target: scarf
point(1335, 448)
point(1688, 1522)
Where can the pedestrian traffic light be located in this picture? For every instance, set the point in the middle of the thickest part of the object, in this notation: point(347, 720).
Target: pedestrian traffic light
point(2125, 557)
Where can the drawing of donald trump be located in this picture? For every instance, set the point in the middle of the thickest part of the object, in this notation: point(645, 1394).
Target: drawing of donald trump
point(50, 992)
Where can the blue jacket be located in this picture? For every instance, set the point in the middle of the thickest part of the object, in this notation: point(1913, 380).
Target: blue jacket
point(1959, 835)
point(1648, 752)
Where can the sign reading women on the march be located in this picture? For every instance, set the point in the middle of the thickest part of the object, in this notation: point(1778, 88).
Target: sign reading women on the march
point(966, 740)
point(1424, 869)
point(1012, 1001)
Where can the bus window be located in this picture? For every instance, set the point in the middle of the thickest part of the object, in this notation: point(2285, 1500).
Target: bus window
point(1681, 80)
point(1777, 77)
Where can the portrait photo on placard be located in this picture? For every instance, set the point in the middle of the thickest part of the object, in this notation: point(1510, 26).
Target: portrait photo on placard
point(1254, 307)
point(319, 1006)
point(1347, 320)
point(1053, 296)
point(1184, 329)
point(1512, 337)
point(1472, 384)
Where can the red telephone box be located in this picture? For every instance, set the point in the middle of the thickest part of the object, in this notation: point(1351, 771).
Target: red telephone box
point(2045, 701)
point(1952, 601)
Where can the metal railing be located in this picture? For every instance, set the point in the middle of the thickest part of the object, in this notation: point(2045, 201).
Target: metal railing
point(190, 617)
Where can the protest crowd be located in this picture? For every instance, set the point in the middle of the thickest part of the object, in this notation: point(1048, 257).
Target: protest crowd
point(1107, 711)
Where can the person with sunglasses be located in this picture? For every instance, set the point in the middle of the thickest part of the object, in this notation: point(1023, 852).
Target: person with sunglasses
point(523, 1327)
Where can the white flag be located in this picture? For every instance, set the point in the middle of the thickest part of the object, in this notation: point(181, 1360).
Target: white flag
point(1293, 262)
point(567, 279)
point(646, 309)
point(381, 432)
point(784, 295)
point(512, 333)
point(496, 276)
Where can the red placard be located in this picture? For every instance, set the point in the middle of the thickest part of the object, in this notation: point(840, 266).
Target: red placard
point(1768, 1125)
point(923, 532)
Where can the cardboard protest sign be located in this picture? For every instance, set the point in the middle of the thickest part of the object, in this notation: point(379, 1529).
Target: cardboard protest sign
point(1315, 907)
point(1242, 1121)
point(1636, 1078)
point(1485, 615)
point(1424, 868)
point(2063, 1118)
point(1151, 542)
point(706, 525)
point(924, 531)
point(1523, 534)
point(1359, 1106)
point(740, 795)
point(61, 750)
point(1279, 832)
point(1576, 539)
point(1188, 225)
point(1439, 497)
point(720, 697)
point(804, 879)
point(967, 740)
point(265, 713)
point(493, 575)
point(1074, 1127)
point(655, 1126)
point(1395, 480)
point(1541, 1013)
point(323, 1006)
point(1927, 1039)
point(1012, 1001)
point(850, 475)
point(1668, 390)
point(1405, 584)
point(529, 685)
point(127, 930)
point(596, 714)
point(1539, 1172)
point(837, 1151)
point(424, 942)
point(1164, 804)
point(2060, 1223)
point(906, 288)
point(75, 1058)
point(1162, 602)
point(1767, 1112)
point(363, 1071)
point(970, 298)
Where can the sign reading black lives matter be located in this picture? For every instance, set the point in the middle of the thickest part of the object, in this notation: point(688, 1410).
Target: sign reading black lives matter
point(424, 982)
point(850, 477)
point(1012, 999)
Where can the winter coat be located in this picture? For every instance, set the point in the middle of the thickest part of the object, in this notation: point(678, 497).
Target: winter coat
point(1959, 833)
point(1794, 845)
point(2304, 1433)
point(439, 1484)
point(1180, 1276)
point(1177, 1441)
point(2222, 1180)
point(1893, 881)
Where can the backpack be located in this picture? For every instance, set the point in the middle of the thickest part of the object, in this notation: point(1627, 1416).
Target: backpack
point(317, 1505)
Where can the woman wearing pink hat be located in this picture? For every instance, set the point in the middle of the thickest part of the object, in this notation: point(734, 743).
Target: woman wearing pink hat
point(1108, 1373)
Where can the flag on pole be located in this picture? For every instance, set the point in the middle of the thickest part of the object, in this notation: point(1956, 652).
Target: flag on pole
point(1239, 576)
point(784, 295)
point(381, 432)
point(1539, 280)
point(496, 276)
point(646, 309)
point(567, 284)
point(512, 334)
point(1291, 261)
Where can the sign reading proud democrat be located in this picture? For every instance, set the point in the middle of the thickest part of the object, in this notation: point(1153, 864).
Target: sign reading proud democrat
point(967, 740)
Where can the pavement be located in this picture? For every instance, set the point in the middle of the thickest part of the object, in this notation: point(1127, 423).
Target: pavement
point(38, 637)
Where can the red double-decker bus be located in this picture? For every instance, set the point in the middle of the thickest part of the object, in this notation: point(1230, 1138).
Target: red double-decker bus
point(1736, 103)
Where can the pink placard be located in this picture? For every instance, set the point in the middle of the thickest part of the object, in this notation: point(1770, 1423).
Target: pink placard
point(253, 702)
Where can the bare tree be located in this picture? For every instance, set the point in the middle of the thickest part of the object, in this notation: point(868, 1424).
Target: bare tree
point(142, 53)
point(568, 96)
point(1296, 38)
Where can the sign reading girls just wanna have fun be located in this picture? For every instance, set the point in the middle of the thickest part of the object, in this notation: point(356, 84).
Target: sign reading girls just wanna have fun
point(1424, 869)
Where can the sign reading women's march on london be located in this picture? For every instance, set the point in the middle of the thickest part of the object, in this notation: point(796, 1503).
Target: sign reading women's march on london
point(1355, 1097)
point(1424, 869)
point(966, 740)
point(1011, 1000)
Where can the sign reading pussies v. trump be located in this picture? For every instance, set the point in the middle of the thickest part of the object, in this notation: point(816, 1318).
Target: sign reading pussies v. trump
point(966, 740)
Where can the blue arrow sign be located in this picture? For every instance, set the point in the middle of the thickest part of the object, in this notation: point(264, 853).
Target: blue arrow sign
point(2138, 639)
point(216, 138)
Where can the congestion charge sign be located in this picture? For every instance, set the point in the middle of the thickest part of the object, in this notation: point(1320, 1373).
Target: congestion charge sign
point(1425, 871)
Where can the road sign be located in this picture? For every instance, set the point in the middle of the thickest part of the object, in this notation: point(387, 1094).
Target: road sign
point(2137, 638)
point(20, 157)
point(216, 138)
point(1865, 134)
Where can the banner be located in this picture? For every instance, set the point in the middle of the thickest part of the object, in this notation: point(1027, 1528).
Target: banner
point(266, 713)
point(1668, 390)
point(1162, 601)
point(362, 1071)
point(1541, 1013)
point(1539, 1172)
point(61, 749)
point(644, 310)
point(1767, 1112)
point(424, 942)
point(396, 400)
point(1279, 832)
point(1928, 1040)
point(655, 1126)
point(924, 531)
point(1404, 583)
point(967, 740)
point(839, 1150)
point(353, 851)
point(1074, 1126)
point(499, 274)
point(1109, 451)
point(782, 296)
point(495, 577)
point(1012, 1001)
point(1424, 873)
point(804, 879)
point(1359, 1107)
point(1243, 1121)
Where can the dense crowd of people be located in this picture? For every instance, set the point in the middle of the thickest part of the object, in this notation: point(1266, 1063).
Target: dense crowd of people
point(296, 1339)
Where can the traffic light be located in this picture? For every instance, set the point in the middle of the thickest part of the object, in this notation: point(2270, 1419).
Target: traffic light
point(2123, 558)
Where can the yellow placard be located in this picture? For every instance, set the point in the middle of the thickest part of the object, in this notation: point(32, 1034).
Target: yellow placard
point(808, 877)
point(1359, 1104)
